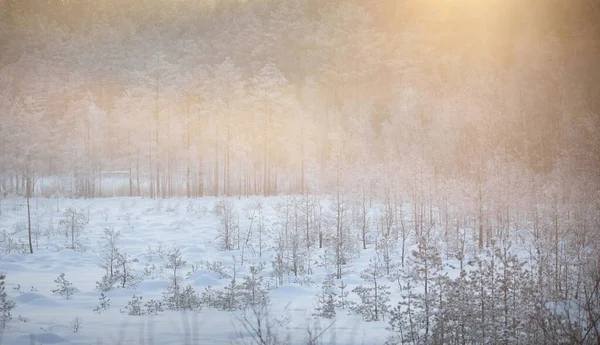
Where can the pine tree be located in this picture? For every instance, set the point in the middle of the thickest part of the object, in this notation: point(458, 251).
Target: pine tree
point(253, 289)
point(125, 275)
point(172, 296)
point(416, 315)
point(374, 297)
point(327, 299)
point(110, 255)
point(342, 295)
point(6, 305)
point(74, 222)
point(64, 287)
point(230, 296)
point(104, 303)
point(229, 223)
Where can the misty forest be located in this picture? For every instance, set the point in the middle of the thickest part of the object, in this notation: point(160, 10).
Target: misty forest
point(307, 172)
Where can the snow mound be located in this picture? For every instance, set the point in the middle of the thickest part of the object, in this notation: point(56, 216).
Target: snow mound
point(68, 254)
point(204, 274)
point(206, 281)
point(43, 338)
point(152, 285)
point(44, 302)
point(8, 266)
point(118, 293)
point(291, 292)
point(29, 296)
point(193, 250)
point(41, 258)
point(12, 258)
point(131, 242)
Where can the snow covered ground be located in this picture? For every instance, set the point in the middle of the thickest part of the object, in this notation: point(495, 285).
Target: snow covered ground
point(42, 317)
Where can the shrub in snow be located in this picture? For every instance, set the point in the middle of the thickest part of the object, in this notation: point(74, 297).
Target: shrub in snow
point(250, 293)
point(263, 328)
point(63, 287)
point(104, 303)
point(184, 299)
point(152, 253)
point(19, 246)
point(134, 307)
point(6, 305)
point(153, 307)
point(149, 270)
point(19, 227)
point(217, 267)
point(194, 269)
point(209, 297)
point(76, 324)
point(106, 283)
point(304, 281)
point(189, 299)
point(49, 328)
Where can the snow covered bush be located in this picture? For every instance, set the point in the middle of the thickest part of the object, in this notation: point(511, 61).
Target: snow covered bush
point(64, 287)
point(238, 296)
point(189, 299)
point(153, 307)
point(134, 307)
point(217, 267)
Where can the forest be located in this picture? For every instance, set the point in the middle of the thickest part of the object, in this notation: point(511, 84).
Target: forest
point(446, 132)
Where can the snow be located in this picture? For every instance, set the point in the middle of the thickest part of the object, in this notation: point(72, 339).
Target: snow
point(42, 338)
point(189, 225)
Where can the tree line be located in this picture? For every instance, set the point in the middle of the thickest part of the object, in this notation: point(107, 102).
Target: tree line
point(293, 96)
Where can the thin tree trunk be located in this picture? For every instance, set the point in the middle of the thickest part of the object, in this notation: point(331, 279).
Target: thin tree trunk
point(28, 194)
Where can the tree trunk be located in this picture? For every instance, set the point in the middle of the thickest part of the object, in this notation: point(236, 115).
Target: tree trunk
point(217, 162)
point(28, 194)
